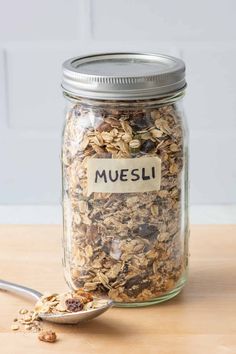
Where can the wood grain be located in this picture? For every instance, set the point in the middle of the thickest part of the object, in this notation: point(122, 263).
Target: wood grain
point(202, 319)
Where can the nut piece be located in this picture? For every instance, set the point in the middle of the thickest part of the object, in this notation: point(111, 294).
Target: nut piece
point(47, 336)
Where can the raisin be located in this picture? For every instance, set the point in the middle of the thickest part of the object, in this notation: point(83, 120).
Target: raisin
point(146, 230)
point(147, 146)
point(104, 127)
point(141, 122)
point(74, 305)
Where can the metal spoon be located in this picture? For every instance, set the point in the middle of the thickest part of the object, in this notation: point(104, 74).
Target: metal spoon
point(65, 318)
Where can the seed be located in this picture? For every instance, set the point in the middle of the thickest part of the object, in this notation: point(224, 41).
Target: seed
point(134, 144)
point(15, 327)
point(15, 320)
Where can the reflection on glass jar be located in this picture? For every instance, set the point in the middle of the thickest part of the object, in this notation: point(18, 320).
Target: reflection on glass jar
point(125, 179)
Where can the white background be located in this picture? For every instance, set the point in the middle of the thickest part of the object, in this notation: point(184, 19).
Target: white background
point(37, 36)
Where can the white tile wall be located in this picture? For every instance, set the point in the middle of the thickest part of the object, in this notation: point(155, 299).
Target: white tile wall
point(36, 36)
point(39, 20)
point(210, 101)
point(159, 20)
point(34, 102)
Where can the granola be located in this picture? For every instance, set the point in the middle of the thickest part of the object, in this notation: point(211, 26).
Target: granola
point(126, 246)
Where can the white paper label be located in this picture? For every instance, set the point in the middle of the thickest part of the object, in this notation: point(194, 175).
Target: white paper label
point(124, 175)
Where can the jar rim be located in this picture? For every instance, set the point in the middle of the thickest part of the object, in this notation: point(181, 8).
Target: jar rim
point(123, 76)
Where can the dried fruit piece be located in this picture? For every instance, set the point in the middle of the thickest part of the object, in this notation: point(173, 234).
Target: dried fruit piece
point(142, 121)
point(146, 230)
point(73, 305)
point(147, 146)
point(104, 127)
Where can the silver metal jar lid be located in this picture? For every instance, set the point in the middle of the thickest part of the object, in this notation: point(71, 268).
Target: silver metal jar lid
point(125, 76)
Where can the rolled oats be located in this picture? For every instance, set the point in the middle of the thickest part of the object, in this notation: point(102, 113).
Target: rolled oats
point(28, 320)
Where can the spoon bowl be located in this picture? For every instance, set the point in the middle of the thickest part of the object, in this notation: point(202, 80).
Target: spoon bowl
point(75, 317)
point(65, 318)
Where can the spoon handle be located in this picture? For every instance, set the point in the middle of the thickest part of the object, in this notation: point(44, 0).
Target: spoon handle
point(20, 290)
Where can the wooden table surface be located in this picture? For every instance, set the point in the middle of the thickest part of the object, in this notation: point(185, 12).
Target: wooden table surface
point(202, 319)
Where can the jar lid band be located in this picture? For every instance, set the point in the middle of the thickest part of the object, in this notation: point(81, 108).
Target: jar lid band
point(126, 76)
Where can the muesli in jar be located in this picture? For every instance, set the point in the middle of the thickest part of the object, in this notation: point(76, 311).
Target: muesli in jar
point(125, 192)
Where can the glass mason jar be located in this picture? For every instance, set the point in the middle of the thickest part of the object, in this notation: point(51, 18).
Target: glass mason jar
point(125, 177)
